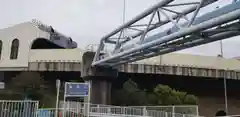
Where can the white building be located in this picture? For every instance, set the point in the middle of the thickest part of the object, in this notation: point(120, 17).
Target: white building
point(17, 41)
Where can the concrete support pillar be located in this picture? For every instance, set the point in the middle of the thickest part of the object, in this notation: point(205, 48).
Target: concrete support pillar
point(100, 79)
point(100, 91)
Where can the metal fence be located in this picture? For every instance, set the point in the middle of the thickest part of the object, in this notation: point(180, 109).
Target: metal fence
point(106, 112)
point(78, 109)
point(181, 109)
point(10, 108)
point(60, 112)
point(97, 110)
point(231, 116)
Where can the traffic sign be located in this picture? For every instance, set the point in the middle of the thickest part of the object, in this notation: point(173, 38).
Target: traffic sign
point(76, 89)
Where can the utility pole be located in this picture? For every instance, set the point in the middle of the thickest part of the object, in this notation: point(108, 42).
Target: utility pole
point(124, 15)
point(225, 82)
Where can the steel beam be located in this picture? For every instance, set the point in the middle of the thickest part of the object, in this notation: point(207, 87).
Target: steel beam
point(185, 12)
point(137, 18)
point(210, 39)
point(163, 22)
point(163, 42)
point(205, 25)
point(198, 20)
point(213, 38)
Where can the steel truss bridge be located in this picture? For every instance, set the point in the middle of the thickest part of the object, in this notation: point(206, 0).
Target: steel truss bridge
point(136, 40)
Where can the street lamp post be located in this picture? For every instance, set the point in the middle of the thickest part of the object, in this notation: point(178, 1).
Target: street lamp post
point(225, 82)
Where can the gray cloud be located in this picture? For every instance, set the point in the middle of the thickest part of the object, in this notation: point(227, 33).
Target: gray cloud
point(86, 21)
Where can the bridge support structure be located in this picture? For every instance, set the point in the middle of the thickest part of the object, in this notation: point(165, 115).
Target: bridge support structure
point(100, 79)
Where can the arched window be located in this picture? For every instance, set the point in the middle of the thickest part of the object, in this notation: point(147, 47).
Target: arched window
point(1, 44)
point(14, 49)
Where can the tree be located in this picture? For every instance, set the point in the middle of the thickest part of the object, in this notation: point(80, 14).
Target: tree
point(26, 83)
point(31, 85)
point(130, 94)
point(169, 96)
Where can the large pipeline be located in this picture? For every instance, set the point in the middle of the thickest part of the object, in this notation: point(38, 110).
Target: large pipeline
point(232, 14)
point(198, 20)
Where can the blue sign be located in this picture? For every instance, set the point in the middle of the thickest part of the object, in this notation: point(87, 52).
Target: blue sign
point(76, 89)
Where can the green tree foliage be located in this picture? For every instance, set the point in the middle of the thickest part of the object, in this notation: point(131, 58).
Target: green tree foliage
point(130, 94)
point(27, 83)
point(33, 86)
point(169, 96)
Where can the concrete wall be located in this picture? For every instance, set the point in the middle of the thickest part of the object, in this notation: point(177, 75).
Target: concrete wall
point(55, 66)
point(56, 55)
point(179, 70)
point(65, 62)
point(208, 106)
point(177, 59)
point(56, 60)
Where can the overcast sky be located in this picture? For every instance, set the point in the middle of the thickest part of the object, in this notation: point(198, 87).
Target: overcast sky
point(86, 21)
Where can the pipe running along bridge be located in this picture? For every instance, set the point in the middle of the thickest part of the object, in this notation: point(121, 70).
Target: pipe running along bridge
point(135, 40)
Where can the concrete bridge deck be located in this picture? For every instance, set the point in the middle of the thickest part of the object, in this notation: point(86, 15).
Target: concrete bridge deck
point(173, 64)
point(32, 34)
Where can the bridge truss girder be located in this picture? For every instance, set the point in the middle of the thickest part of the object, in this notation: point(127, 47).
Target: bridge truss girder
point(220, 24)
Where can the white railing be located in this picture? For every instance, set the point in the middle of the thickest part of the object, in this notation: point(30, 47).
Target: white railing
point(53, 112)
point(106, 112)
point(231, 116)
point(77, 109)
point(10, 108)
point(183, 109)
point(127, 111)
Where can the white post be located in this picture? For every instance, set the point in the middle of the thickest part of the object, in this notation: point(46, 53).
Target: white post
point(98, 109)
point(64, 99)
point(144, 111)
point(2, 85)
point(166, 114)
point(58, 85)
point(173, 111)
point(89, 98)
point(197, 110)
